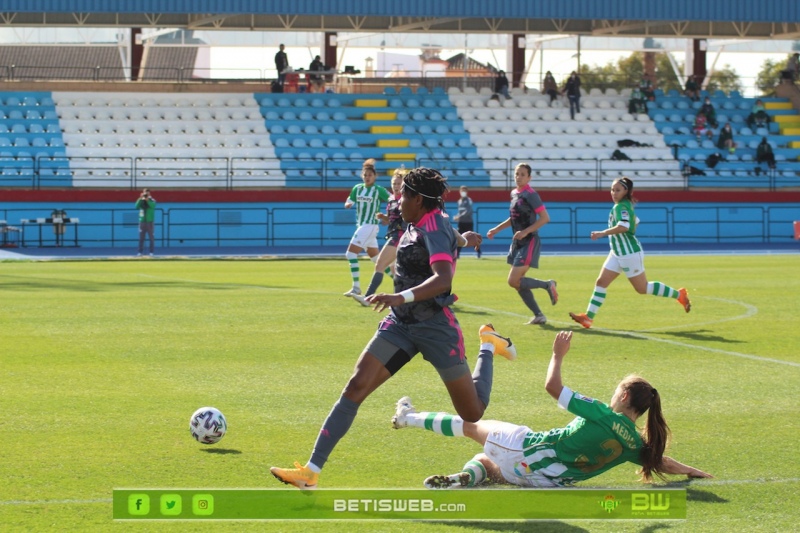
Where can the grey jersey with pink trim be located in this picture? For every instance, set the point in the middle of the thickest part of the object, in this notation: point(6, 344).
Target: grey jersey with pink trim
point(525, 208)
point(429, 240)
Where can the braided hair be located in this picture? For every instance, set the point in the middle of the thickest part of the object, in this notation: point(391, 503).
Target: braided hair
point(428, 183)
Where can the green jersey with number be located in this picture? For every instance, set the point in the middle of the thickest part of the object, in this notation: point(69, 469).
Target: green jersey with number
point(368, 202)
point(597, 440)
point(624, 243)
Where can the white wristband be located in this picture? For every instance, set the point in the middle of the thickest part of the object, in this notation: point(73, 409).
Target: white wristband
point(408, 296)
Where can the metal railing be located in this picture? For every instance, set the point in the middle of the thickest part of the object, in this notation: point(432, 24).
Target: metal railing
point(228, 173)
point(313, 226)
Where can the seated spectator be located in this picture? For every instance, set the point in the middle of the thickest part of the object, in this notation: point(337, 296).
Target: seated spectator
point(692, 89)
point(701, 126)
point(501, 84)
point(646, 87)
point(764, 153)
point(793, 67)
point(758, 117)
point(550, 87)
point(725, 140)
point(638, 102)
point(315, 76)
point(711, 114)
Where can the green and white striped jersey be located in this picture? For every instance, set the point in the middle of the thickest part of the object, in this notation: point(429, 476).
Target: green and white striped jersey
point(368, 202)
point(597, 440)
point(624, 243)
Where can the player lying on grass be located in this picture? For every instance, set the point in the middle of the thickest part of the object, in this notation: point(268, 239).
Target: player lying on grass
point(598, 439)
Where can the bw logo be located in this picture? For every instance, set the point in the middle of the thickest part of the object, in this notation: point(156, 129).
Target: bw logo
point(649, 502)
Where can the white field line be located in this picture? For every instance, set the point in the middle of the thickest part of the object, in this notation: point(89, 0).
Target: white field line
point(56, 502)
point(750, 310)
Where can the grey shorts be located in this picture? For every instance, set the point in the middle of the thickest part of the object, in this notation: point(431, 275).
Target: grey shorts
point(526, 254)
point(439, 339)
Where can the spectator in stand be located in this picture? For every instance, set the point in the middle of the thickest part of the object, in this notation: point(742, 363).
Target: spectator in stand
point(764, 153)
point(572, 88)
point(501, 84)
point(638, 102)
point(708, 110)
point(758, 116)
point(281, 63)
point(464, 217)
point(793, 66)
point(701, 126)
point(646, 87)
point(725, 140)
point(550, 87)
point(315, 77)
point(692, 88)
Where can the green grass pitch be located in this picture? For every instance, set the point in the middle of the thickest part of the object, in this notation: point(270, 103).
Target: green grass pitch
point(102, 362)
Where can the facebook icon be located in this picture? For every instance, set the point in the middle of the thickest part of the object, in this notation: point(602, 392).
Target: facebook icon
point(138, 504)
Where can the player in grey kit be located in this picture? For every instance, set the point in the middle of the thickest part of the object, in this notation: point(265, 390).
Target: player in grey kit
point(420, 321)
point(528, 215)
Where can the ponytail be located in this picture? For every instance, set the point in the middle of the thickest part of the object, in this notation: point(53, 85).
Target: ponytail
point(643, 397)
point(369, 165)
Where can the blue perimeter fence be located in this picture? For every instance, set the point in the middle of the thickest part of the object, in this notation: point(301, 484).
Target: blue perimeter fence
point(304, 225)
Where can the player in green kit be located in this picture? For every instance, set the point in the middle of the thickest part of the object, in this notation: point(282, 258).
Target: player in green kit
point(367, 198)
point(598, 439)
point(626, 256)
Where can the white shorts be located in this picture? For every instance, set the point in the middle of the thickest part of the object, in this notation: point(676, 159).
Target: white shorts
point(504, 447)
point(366, 236)
point(631, 265)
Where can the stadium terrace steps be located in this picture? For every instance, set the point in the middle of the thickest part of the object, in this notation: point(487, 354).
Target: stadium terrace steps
point(674, 115)
point(305, 140)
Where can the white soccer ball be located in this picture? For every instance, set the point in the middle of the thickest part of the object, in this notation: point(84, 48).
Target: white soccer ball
point(208, 425)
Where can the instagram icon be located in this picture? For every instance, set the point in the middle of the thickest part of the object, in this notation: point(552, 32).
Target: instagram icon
point(203, 504)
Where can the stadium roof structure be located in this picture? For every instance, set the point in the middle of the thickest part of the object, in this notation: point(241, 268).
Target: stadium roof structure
point(734, 19)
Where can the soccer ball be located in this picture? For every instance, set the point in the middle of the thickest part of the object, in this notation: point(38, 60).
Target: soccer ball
point(208, 425)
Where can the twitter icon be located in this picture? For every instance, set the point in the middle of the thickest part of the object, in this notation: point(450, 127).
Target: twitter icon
point(171, 504)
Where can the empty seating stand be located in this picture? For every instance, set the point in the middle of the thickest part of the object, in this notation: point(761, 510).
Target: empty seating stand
point(321, 140)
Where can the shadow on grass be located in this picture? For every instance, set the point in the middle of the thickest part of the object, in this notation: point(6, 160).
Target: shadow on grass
point(700, 335)
point(461, 310)
point(523, 527)
point(221, 451)
point(605, 333)
point(696, 495)
point(655, 527)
